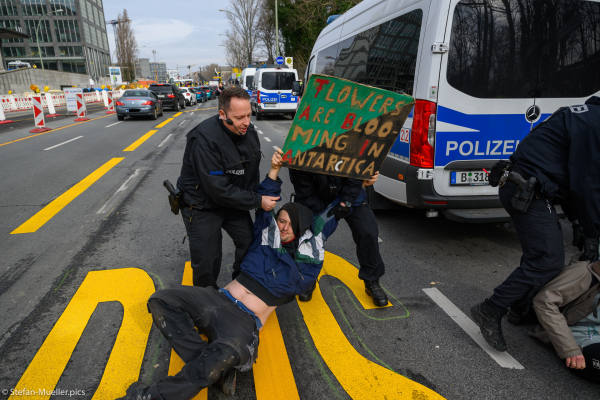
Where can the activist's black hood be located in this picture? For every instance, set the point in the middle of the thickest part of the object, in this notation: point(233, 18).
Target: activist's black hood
point(300, 216)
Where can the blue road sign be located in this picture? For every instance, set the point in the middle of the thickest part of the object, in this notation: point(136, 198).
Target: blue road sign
point(279, 60)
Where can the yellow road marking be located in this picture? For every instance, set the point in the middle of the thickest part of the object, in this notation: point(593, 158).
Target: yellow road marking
point(273, 377)
point(177, 115)
point(176, 363)
point(53, 130)
point(164, 123)
point(129, 286)
point(45, 214)
point(141, 140)
point(360, 377)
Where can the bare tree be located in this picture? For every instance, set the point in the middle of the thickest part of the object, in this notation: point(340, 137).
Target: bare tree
point(266, 32)
point(235, 53)
point(209, 70)
point(243, 19)
point(127, 48)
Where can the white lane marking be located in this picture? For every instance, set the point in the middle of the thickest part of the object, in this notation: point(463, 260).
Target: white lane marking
point(113, 124)
point(123, 187)
point(192, 113)
point(267, 139)
point(166, 140)
point(503, 358)
point(182, 122)
point(261, 132)
point(379, 239)
point(60, 144)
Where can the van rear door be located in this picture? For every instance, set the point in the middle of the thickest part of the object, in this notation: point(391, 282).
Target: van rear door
point(269, 88)
point(486, 91)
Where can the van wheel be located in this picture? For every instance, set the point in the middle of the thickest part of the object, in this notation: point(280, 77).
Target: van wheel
point(253, 112)
point(293, 115)
point(259, 116)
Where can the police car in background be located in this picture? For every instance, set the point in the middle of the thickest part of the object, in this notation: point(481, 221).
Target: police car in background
point(272, 91)
point(247, 79)
point(483, 75)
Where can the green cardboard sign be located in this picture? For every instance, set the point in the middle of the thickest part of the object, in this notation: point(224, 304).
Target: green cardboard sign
point(344, 128)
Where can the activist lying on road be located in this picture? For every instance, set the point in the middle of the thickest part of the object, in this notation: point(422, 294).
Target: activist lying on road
point(284, 260)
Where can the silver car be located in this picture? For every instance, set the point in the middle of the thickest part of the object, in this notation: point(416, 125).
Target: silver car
point(139, 102)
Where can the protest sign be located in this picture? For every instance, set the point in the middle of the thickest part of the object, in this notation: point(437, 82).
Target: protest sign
point(344, 128)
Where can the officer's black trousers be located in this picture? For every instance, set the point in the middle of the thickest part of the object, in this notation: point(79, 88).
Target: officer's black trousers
point(176, 311)
point(541, 238)
point(204, 232)
point(365, 233)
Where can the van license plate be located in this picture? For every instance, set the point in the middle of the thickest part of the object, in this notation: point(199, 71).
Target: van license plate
point(468, 178)
point(270, 105)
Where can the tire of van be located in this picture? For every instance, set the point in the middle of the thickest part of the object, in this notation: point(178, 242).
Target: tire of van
point(259, 116)
point(293, 115)
point(252, 108)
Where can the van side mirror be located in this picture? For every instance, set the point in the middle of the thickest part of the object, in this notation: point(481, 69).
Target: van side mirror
point(296, 88)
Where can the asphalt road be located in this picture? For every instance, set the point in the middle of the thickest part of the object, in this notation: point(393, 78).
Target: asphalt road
point(122, 221)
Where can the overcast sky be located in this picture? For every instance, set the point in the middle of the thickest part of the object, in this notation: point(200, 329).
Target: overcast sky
point(181, 32)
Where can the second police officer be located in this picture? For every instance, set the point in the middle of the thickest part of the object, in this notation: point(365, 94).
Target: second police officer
point(562, 154)
point(219, 180)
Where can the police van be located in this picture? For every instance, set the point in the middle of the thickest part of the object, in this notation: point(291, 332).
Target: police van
point(483, 75)
point(247, 78)
point(272, 91)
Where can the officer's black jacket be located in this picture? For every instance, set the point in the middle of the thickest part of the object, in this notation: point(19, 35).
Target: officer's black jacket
point(313, 190)
point(220, 168)
point(566, 150)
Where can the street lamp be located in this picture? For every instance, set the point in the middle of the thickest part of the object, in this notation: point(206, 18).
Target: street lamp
point(38, 41)
point(245, 34)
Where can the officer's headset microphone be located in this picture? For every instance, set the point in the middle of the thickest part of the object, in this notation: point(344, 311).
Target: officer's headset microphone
point(228, 121)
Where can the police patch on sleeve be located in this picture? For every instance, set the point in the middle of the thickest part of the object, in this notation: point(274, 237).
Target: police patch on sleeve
point(215, 172)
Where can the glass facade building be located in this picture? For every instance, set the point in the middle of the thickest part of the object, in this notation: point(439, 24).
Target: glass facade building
point(74, 40)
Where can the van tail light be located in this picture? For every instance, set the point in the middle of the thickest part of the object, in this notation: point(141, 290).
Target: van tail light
point(120, 103)
point(258, 96)
point(148, 103)
point(171, 96)
point(422, 137)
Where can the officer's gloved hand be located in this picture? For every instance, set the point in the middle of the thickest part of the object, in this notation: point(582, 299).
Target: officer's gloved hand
point(340, 211)
point(590, 250)
point(578, 236)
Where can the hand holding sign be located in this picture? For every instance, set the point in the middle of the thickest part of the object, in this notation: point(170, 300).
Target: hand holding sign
point(344, 128)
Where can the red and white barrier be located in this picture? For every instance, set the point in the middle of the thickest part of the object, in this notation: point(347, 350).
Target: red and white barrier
point(81, 108)
point(38, 115)
point(3, 119)
point(51, 110)
point(111, 103)
point(105, 98)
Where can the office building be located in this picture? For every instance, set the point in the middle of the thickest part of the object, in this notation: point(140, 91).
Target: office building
point(159, 69)
point(142, 69)
point(74, 40)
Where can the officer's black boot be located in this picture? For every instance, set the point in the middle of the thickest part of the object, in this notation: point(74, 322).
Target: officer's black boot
point(522, 315)
point(374, 290)
point(489, 320)
point(306, 296)
point(228, 382)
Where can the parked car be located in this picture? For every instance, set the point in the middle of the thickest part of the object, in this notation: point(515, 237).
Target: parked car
point(139, 102)
point(190, 96)
point(210, 92)
point(201, 95)
point(169, 94)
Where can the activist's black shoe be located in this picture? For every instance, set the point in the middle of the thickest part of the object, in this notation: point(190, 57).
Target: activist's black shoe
point(228, 382)
point(306, 296)
point(522, 315)
point(489, 320)
point(374, 290)
point(136, 392)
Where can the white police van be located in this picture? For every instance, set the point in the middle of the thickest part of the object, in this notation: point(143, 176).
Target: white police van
point(272, 91)
point(483, 75)
point(247, 79)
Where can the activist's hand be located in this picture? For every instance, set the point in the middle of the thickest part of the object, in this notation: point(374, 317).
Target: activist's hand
point(371, 181)
point(268, 202)
point(340, 211)
point(578, 236)
point(590, 250)
point(277, 159)
point(577, 362)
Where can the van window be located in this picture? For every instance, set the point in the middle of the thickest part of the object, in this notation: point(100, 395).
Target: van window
point(524, 49)
point(384, 56)
point(278, 80)
point(249, 80)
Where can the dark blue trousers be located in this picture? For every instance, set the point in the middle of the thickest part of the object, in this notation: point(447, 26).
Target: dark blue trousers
point(543, 256)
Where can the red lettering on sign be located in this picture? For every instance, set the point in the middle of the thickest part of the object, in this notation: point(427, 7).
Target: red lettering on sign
point(349, 121)
point(287, 157)
point(321, 82)
point(305, 113)
point(364, 147)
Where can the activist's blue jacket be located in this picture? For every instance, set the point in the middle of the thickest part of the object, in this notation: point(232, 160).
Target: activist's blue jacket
point(269, 264)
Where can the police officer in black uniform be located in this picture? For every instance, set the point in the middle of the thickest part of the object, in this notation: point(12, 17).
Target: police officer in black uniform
point(317, 191)
point(563, 155)
point(219, 180)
